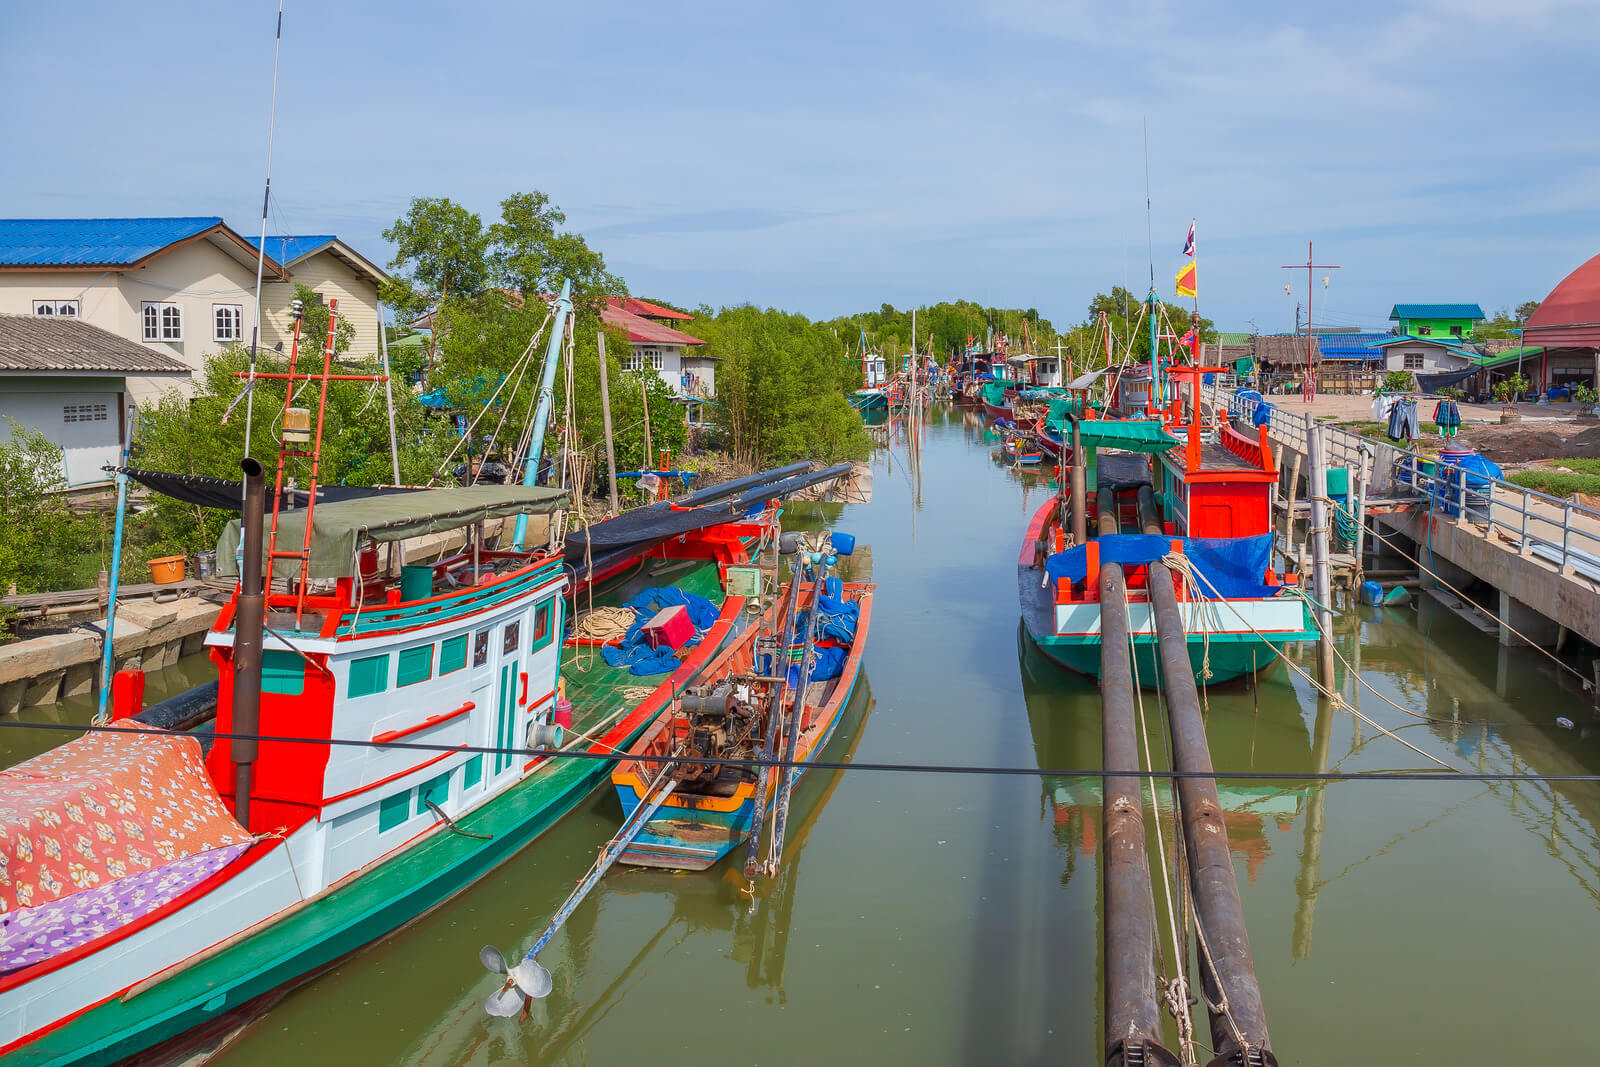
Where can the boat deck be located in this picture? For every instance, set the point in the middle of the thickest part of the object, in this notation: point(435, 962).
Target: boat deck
point(1214, 457)
point(598, 690)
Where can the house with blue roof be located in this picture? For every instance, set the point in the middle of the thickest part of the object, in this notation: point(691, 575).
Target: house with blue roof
point(1455, 321)
point(181, 287)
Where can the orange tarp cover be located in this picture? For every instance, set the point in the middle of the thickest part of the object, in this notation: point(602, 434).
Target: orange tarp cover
point(104, 806)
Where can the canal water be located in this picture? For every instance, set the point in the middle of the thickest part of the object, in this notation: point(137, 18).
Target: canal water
point(954, 919)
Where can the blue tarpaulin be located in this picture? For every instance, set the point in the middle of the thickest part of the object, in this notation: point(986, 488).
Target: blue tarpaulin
point(836, 621)
point(635, 653)
point(1234, 565)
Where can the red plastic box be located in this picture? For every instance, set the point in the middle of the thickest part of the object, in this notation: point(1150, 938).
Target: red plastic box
point(670, 627)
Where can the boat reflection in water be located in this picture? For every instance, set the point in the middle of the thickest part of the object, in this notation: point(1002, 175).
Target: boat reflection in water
point(1064, 717)
point(709, 901)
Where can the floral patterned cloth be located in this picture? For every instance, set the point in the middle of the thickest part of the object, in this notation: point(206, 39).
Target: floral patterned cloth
point(29, 935)
point(102, 808)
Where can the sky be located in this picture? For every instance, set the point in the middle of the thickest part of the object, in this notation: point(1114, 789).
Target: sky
point(829, 157)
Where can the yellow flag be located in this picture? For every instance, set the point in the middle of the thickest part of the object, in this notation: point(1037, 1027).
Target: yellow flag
point(1185, 280)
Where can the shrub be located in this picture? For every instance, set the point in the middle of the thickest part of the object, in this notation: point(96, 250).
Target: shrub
point(42, 540)
point(1556, 483)
point(1398, 381)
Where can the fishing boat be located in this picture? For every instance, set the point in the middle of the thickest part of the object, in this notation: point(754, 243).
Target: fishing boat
point(735, 713)
point(378, 742)
point(1199, 492)
point(874, 378)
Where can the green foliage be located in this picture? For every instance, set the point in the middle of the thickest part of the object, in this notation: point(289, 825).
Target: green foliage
point(781, 387)
point(1398, 381)
point(1508, 389)
point(443, 248)
point(191, 436)
point(1505, 322)
point(41, 539)
point(529, 254)
point(1585, 395)
point(946, 326)
point(1556, 483)
point(314, 328)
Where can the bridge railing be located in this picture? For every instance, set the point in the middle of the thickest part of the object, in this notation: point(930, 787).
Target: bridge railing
point(1555, 530)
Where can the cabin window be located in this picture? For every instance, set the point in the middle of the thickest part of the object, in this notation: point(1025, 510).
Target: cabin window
point(480, 648)
point(228, 321)
point(472, 773)
point(63, 308)
point(369, 676)
point(283, 673)
point(415, 665)
point(163, 321)
point(541, 627)
point(452, 654)
point(394, 811)
point(437, 791)
point(513, 636)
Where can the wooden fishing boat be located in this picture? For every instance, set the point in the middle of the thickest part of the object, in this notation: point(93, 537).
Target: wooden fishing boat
point(869, 400)
point(1203, 495)
point(392, 742)
point(715, 807)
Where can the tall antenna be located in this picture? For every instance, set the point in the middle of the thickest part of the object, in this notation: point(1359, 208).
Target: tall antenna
point(1149, 240)
point(261, 254)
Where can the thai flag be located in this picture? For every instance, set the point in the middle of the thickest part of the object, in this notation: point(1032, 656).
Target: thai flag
point(1188, 242)
point(1191, 342)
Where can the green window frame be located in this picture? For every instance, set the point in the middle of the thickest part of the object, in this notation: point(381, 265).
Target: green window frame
point(283, 673)
point(452, 654)
point(542, 630)
point(394, 810)
point(368, 676)
point(414, 665)
point(436, 789)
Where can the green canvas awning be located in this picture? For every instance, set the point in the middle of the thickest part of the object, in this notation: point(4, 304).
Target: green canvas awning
point(1130, 435)
point(338, 528)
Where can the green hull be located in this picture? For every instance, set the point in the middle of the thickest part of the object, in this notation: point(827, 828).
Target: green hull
point(1231, 656)
point(327, 929)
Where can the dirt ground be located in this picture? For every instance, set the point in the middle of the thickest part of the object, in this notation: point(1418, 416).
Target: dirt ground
point(1547, 431)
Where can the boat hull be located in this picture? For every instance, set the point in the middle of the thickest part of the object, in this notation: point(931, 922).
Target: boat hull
point(869, 400)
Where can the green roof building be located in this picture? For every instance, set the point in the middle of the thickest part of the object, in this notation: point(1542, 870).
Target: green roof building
point(1436, 320)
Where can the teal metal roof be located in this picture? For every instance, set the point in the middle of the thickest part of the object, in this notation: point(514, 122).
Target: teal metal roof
point(1437, 311)
point(1454, 344)
point(93, 242)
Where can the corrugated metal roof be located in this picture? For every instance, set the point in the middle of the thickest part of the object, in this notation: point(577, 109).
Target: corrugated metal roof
point(1233, 338)
point(288, 248)
point(36, 344)
point(1437, 311)
point(93, 242)
point(1510, 355)
point(633, 305)
point(1570, 315)
point(1350, 345)
point(644, 331)
point(1454, 344)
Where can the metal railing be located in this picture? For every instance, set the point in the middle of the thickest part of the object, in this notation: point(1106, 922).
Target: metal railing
point(1537, 523)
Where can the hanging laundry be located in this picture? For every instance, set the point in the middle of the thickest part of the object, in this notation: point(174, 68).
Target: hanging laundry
point(1403, 420)
point(1448, 417)
point(1382, 403)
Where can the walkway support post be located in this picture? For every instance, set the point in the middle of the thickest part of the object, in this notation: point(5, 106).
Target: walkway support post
point(1317, 494)
point(1133, 1020)
point(1227, 969)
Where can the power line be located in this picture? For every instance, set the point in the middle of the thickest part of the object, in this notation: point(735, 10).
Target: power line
point(827, 765)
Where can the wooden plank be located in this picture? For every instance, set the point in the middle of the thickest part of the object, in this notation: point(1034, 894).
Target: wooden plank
point(92, 596)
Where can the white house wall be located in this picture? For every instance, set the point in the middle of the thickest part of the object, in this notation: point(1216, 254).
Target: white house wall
point(357, 296)
point(1434, 360)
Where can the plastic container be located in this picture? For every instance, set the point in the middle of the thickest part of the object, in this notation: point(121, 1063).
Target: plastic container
point(669, 627)
point(1371, 593)
point(205, 563)
point(416, 582)
point(165, 570)
point(843, 544)
point(563, 713)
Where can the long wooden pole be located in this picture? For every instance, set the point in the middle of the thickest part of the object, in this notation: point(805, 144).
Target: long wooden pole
point(388, 395)
point(605, 411)
point(1318, 495)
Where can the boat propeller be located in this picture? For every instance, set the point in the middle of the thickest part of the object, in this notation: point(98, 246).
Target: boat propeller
point(526, 982)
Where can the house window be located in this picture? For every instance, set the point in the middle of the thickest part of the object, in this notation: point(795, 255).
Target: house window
point(85, 412)
point(1413, 361)
point(64, 308)
point(641, 357)
point(1424, 331)
point(162, 321)
point(229, 321)
point(1455, 331)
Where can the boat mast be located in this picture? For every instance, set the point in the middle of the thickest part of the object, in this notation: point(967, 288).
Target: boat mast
point(261, 252)
point(552, 358)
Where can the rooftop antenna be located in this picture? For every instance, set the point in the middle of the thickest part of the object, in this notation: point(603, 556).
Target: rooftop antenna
point(261, 252)
point(1149, 239)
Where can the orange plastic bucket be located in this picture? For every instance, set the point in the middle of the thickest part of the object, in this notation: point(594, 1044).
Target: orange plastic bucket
point(164, 570)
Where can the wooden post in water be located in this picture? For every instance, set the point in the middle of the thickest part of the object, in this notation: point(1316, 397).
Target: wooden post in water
point(605, 414)
point(1317, 494)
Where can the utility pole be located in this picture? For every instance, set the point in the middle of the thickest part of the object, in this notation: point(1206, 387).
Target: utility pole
point(1308, 392)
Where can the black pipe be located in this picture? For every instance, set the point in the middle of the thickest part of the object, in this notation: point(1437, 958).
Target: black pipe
point(1149, 514)
point(739, 485)
point(1239, 1036)
point(1133, 1019)
point(249, 620)
point(1106, 505)
point(184, 711)
point(1080, 496)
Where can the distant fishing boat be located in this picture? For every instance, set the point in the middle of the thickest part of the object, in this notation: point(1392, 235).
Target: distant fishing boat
point(735, 711)
point(1200, 492)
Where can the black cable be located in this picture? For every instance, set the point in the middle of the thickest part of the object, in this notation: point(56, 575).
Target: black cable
point(826, 765)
